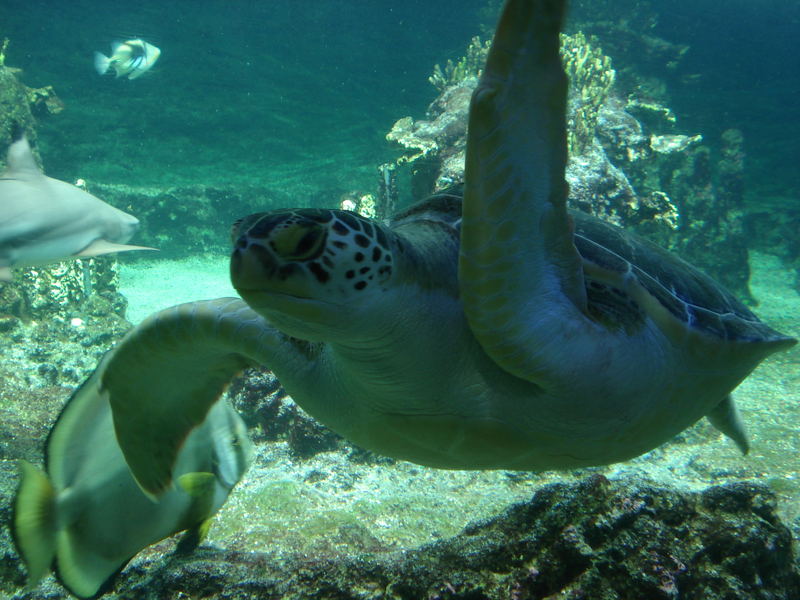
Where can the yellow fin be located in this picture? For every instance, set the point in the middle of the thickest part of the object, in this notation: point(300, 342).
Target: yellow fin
point(198, 485)
point(35, 521)
point(193, 537)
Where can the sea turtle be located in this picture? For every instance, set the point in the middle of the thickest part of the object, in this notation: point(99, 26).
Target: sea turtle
point(501, 332)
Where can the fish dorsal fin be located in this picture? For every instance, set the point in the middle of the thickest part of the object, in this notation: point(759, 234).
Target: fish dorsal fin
point(20, 162)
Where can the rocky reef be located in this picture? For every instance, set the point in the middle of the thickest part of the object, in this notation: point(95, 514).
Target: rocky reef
point(587, 540)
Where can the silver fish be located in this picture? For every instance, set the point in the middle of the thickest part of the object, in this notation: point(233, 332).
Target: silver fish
point(132, 58)
point(44, 220)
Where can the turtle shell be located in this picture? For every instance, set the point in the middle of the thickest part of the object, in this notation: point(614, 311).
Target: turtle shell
point(689, 296)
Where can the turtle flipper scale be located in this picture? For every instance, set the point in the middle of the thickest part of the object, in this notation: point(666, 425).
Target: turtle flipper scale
point(165, 375)
point(517, 254)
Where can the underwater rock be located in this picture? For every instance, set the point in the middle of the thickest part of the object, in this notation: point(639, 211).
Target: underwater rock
point(589, 540)
point(598, 187)
point(55, 324)
point(189, 220)
point(18, 103)
point(270, 415)
point(713, 213)
point(64, 290)
point(15, 112)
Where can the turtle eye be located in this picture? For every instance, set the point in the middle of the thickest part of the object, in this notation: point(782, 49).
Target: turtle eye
point(235, 230)
point(299, 241)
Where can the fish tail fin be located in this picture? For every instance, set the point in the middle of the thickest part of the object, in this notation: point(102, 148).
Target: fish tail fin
point(101, 63)
point(35, 521)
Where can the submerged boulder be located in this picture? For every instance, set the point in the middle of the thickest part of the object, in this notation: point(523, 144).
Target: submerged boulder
point(594, 539)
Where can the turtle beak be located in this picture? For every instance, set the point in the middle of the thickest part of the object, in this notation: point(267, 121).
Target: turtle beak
point(259, 262)
point(252, 265)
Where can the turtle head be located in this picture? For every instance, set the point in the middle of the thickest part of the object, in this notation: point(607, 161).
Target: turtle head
point(313, 273)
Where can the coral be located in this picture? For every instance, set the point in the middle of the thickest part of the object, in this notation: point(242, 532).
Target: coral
point(407, 133)
point(362, 203)
point(649, 111)
point(44, 101)
point(591, 78)
point(598, 187)
point(588, 69)
point(64, 290)
point(668, 144)
point(469, 65)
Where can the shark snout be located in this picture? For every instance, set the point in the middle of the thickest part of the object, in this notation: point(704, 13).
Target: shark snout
point(128, 228)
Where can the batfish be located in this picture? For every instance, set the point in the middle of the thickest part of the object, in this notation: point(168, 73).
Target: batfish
point(87, 517)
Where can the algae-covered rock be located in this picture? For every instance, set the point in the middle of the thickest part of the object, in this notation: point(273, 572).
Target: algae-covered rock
point(189, 220)
point(18, 103)
point(270, 415)
point(590, 540)
point(15, 113)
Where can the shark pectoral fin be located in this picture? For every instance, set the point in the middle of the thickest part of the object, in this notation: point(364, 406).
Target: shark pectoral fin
point(5, 274)
point(725, 417)
point(35, 522)
point(100, 247)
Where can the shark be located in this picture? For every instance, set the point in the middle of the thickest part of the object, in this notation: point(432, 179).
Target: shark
point(45, 220)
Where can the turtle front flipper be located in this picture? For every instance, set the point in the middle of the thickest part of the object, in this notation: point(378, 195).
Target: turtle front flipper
point(519, 270)
point(165, 375)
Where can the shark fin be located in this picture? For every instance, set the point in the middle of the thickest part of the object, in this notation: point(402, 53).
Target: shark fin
point(35, 521)
point(101, 246)
point(20, 162)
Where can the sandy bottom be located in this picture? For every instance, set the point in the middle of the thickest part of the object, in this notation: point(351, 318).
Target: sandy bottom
point(150, 286)
point(314, 506)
